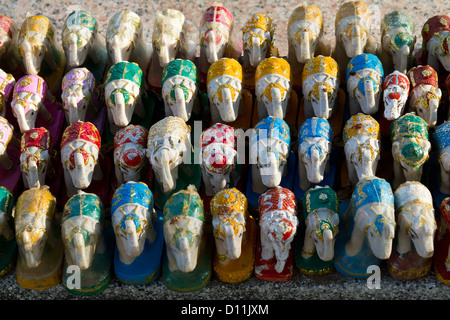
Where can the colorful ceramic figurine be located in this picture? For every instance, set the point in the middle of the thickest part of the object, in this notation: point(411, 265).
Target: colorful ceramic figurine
point(10, 173)
point(277, 227)
point(395, 95)
point(235, 236)
point(397, 41)
point(436, 42)
point(39, 52)
point(425, 95)
point(8, 244)
point(304, 32)
point(138, 232)
point(410, 148)
point(362, 147)
point(38, 236)
point(87, 244)
point(82, 43)
point(187, 262)
point(366, 229)
point(7, 83)
point(442, 138)
point(314, 249)
point(364, 77)
point(412, 256)
point(9, 53)
point(441, 257)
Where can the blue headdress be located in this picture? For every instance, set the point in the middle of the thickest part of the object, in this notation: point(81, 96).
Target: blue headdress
point(132, 192)
point(372, 190)
point(365, 61)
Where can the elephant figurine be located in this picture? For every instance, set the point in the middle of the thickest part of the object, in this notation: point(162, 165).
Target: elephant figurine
point(10, 174)
point(129, 154)
point(6, 134)
point(304, 31)
point(410, 148)
point(188, 258)
point(234, 235)
point(425, 95)
point(83, 45)
point(8, 244)
point(362, 144)
point(396, 89)
point(10, 61)
point(442, 138)
point(88, 244)
point(39, 52)
point(38, 236)
point(413, 254)
point(138, 232)
point(179, 89)
point(314, 248)
point(435, 43)
point(125, 40)
point(397, 41)
point(366, 229)
point(277, 227)
point(7, 83)
point(441, 257)
point(364, 76)
point(353, 26)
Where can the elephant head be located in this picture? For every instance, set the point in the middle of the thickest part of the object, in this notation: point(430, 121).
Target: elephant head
point(273, 87)
point(179, 88)
point(320, 85)
point(6, 134)
point(6, 217)
point(183, 224)
point(224, 85)
point(395, 94)
point(81, 229)
point(320, 209)
point(442, 139)
point(7, 83)
point(314, 149)
point(258, 37)
point(229, 215)
point(436, 41)
point(168, 141)
point(132, 217)
point(278, 224)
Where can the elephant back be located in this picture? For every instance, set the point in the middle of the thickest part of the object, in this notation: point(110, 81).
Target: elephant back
point(35, 29)
point(372, 190)
point(32, 84)
point(320, 197)
point(229, 201)
point(412, 192)
point(169, 126)
point(6, 131)
point(180, 67)
point(277, 198)
point(323, 65)
point(399, 19)
point(218, 144)
point(422, 75)
point(360, 124)
point(36, 137)
point(225, 66)
point(306, 12)
point(315, 128)
point(433, 25)
point(132, 192)
point(36, 200)
point(408, 126)
point(79, 76)
point(122, 23)
point(81, 130)
point(125, 70)
point(81, 23)
point(442, 136)
point(397, 78)
point(184, 203)
point(216, 16)
point(168, 21)
point(355, 11)
point(364, 61)
point(271, 128)
point(273, 65)
point(133, 134)
point(259, 21)
point(84, 204)
point(6, 201)
point(7, 83)
point(8, 26)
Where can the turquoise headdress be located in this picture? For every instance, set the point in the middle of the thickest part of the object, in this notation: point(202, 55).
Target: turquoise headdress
point(321, 197)
point(84, 204)
point(442, 135)
point(180, 67)
point(372, 190)
point(184, 203)
point(365, 61)
point(132, 192)
point(82, 18)
point(408, 126)
point(272, 128)
point(125, 70)
point(6, 201)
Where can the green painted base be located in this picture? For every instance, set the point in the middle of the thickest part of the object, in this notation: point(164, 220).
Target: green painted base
point(8, 254)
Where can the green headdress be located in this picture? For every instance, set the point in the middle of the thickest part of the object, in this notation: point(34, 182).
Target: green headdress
point(409, 126)
point(6, 201)
point(323, 197)
point(125, 70)
point(84, 204)
point(184, 203)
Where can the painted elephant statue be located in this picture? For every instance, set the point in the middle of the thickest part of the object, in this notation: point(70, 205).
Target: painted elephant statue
point(410, 148)
point(314, 150)
point(82, 43)
point(40, 53)
point(412, 256)
point(35, 157)
point(320, 86)
point(425, 95)
point(7, 83)
point(10, 60)
point(364, 76)
point(366, 229)
point(179, 89)
point(278, 225)
point(397, 41)
point(38, 236)
point(269, 151)
point(125, 40)
point(362, 143)
point(10, 173)
point(129, 153)
point(442, 137)
point(396, 89)
point(321, 218)
point(80, 148)
point(435, 43)
point(6, 134)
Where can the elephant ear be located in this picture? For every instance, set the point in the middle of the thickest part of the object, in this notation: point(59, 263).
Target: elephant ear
point(361, 219)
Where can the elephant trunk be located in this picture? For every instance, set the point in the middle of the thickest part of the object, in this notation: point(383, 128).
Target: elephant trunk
point(72, 106)
point(212, 49)
point(132, 239)
point(324, 108)
point(166, 174)
point(33, 181)
point(186, 260)
point(180, 111)
point(72, 54)
point(356, 41)
point(30, 259)
point(402, 63)
point(277, 105)
point(80, 252)
point(390, 109)
point(164, 58)
point(24, 125)
point(370, 97)
point(328, 250)
point(234, 247)
point(314, 174)
point(80, 172)
point(433, 107)
point(226, 109)
point(29, 64)
point(255, 53)
point(119, 115)
point(305, 47)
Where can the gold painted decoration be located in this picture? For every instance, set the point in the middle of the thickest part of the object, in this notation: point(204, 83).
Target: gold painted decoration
point(306, 12)
point(321, 64)
point(36, 200)
point(361, 124)
point(273, 65)
point(225, 66)
point(35, 29)
point(173, 126)
point(231, 199)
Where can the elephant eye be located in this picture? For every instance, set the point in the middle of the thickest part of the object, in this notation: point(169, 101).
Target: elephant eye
point(413, 234)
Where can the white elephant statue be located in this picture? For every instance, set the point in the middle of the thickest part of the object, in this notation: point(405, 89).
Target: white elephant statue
point(278, 225)
point(123, 94)
point(219, 157)
point(320, 86)
point(35, 157)
point(435, 43)
point(314, 150)
point(168, 142)
point(40, 53)
point(273, 87)
point(10, 60)
point(7, 83)
point(80, 148)
point(362, 144)
point(425, 95)
point(410, 148)
point(367, 228)
point(129, 153)
point(364, 76)
point(397, 41)
point(396, 89)
point(6, 134)
point(269, 151)
point(442, 137)
point(125, 40)
point(38, 236)
point(179, 89)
